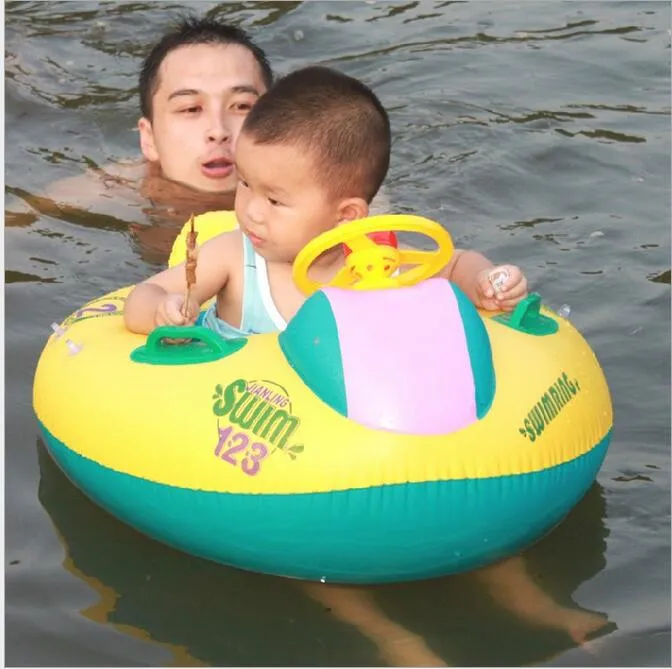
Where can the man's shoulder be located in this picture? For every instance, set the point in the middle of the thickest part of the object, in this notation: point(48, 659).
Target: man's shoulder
point(98, 182)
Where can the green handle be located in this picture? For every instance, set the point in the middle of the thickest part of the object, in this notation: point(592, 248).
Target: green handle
point(527, 317)
point(201, 345)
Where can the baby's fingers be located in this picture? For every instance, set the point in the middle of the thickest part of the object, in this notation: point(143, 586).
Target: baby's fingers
point(516, 292)
point(508, 305)
point(192, 313)
point(172, 314)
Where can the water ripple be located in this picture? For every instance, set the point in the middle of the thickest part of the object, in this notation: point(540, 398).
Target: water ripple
point(12, 276)
point(476, 39)
point(601, 134)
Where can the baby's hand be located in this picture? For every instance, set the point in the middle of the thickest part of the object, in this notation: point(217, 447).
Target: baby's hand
point(170, 311)
point(505, 294)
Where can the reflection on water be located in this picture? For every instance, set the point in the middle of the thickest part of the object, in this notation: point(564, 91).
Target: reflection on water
point(603, 134)
point(663, 277)
point(170, 596)
point(19, 277)
point(149, 590)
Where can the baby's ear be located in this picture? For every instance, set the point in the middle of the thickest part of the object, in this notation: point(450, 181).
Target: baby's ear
point(147, 140)
point(351, 209)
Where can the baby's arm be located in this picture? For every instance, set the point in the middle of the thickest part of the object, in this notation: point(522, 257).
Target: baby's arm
point(471, 271)
point(160, 299)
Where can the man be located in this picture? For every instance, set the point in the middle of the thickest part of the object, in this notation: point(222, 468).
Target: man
point(196, 86)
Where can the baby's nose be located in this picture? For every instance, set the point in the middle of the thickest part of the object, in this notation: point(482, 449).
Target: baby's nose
point(255, 211)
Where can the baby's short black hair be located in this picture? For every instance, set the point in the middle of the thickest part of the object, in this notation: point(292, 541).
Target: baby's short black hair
point(333, 116)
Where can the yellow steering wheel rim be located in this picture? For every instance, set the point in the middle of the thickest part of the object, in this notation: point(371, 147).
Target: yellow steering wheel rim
point(354, 234)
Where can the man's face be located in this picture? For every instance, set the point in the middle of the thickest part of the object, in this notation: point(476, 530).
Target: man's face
point(204, 93)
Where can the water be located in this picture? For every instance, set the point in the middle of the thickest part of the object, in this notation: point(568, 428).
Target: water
point(538, 133)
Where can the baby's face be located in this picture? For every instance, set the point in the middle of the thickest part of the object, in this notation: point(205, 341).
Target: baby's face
point(280, 205)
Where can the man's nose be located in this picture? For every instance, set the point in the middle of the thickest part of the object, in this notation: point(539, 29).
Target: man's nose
point(219, 130)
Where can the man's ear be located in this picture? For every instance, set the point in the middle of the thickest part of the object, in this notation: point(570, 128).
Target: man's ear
point(352, 209)
point(147, 144)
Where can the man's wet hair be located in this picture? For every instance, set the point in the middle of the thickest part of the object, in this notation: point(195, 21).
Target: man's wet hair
point(189, 31)
point(336, 118)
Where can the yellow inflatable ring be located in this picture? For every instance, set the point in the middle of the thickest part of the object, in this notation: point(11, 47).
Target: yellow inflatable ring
point(207, 226)
point(385, 435)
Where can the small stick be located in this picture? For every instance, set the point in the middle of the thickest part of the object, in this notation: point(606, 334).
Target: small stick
point(190, 265)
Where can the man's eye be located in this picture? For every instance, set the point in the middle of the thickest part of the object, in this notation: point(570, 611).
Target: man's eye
point(243, 106)
point(191, 110)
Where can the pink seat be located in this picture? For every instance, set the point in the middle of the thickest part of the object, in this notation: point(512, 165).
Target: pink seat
point(405, 356)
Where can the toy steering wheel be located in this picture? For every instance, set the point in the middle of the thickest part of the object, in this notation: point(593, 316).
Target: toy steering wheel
point(372, 266)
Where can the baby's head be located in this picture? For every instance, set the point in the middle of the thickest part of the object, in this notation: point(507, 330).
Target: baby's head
point(312, 153)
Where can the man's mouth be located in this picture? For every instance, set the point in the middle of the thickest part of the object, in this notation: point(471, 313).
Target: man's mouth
point(218, 168)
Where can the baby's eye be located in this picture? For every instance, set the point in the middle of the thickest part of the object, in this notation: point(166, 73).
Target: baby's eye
point(273, 202)
point(243, 183)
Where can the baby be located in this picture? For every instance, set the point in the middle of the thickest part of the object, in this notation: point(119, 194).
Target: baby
point(311, 155)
